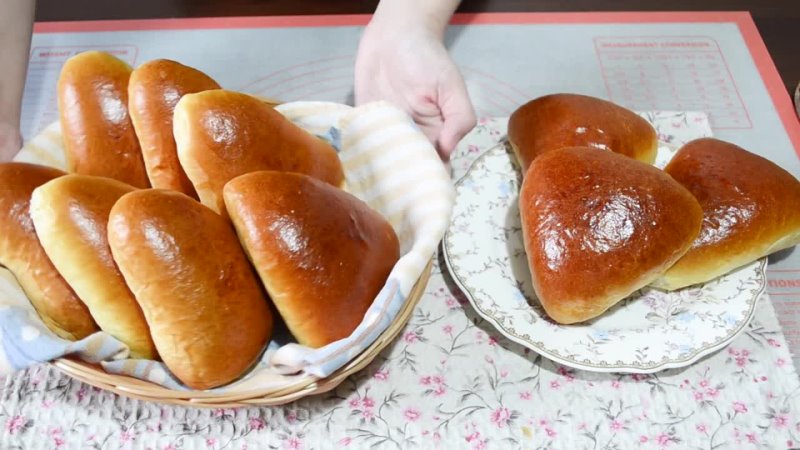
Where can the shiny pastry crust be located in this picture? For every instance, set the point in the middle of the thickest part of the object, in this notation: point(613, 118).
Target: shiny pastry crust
point(323, 254)
point(154, 89)
point(571, 120)
point(70, 214)
point(597, 226)
point(21, 252)
point(99, 138)
point(751, 209)
point(222, 134)
point(207, 312)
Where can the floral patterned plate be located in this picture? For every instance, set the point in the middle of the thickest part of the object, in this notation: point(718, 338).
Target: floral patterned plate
point(649, 331)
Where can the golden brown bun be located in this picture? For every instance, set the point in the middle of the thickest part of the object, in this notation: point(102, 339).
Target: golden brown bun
point(751, 209)
point(99, 138)
point(70, 214)
point(21, 253)
point(597, 226)
point(206, 310)
point(154, 90)
point(571, 120)
point(322, 254)
point(222, 134)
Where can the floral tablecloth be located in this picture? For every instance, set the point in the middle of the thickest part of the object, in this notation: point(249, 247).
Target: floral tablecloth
point(450, 381)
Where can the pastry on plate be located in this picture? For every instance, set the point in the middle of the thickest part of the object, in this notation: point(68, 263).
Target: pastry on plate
point(751, 209)
point(597, 226)
point(573, 120)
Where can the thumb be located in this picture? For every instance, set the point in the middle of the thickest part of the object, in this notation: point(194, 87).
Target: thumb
point(458, 116)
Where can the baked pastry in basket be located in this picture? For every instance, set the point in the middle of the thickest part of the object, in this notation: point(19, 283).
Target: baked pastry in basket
point(155, 88)
point(223, 134)
point(21, 252)
point(207, 312)
point(322, 254)
point(70, 214)
point(99, 138)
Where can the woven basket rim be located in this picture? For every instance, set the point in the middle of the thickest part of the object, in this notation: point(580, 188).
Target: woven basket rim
point(307, 385)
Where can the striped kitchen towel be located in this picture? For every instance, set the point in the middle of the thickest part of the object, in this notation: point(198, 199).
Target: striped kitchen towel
point(388, 163)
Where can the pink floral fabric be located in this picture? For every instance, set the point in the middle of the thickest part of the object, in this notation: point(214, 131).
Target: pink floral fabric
point(449, 381)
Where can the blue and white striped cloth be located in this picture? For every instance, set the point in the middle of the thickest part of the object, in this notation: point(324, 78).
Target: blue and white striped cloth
point(388, 163)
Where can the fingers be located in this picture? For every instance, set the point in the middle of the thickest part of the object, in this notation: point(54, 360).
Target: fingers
point(458, 116)
point(422, 81)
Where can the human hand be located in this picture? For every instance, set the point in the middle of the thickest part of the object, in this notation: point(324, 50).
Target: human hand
point(411, 68)
point(10, 141)
point(16, 26)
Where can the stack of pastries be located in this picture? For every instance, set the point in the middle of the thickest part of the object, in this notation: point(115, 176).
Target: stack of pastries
point(189, 220)
point(600, 222)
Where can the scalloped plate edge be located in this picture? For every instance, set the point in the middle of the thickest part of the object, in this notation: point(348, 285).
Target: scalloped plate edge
point(622, 368)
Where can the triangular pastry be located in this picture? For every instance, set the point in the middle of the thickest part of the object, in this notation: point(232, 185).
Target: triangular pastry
point(751, 209)
point(322, 254)
point(222, 134)
point(555, 121)
point(598, 226)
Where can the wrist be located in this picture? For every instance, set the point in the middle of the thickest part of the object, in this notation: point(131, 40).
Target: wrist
point(425, 17)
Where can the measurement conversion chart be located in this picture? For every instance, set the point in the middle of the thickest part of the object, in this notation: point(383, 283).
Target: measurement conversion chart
point(672, 73)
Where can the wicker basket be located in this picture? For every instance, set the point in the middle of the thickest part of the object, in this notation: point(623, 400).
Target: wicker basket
point(302, 386)
point(94, 374)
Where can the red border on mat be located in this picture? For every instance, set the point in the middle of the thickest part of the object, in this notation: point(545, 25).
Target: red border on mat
point(758, 51)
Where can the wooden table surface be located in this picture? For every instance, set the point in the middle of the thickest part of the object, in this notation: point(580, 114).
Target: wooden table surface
point(777, 20)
